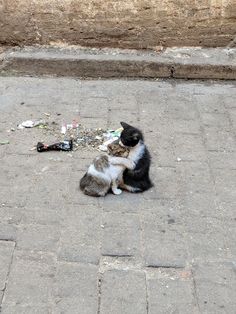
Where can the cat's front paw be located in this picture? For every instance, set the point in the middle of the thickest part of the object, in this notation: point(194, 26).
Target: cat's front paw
point(117, 191)
point(133, 165)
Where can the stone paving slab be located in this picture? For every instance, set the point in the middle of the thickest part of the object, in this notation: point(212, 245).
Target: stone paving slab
point(30, 280)
point(169, 250)
point(171, 289)
point(215, 287)
point(123, 291)
point(76, 288)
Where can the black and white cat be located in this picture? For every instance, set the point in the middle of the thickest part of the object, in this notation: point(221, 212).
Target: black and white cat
point(136, 180)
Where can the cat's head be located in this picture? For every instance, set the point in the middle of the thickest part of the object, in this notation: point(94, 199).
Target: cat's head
point(130, 136)
point(115, 149)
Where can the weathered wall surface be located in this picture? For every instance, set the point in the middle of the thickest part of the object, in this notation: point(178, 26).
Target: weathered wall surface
point(119, 23)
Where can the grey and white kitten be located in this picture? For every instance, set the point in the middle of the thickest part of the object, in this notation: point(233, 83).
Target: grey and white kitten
point(102, 175)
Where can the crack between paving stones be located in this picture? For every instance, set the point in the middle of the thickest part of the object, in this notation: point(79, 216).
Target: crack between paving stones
point(7, 277)
point(99, 292)
point(164, 267)
point(195, 291)
point(8, 240)
point(147, 298)
point(117, 256)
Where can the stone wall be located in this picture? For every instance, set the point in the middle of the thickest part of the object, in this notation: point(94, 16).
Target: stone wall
point(118, 23)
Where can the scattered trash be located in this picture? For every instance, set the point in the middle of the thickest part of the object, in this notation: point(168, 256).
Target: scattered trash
point(103, 147)
point(88, 137)
point(69, 126)
point(66, 127)
point(63, 128)
point(32, 124)
point(80, 136)
point(109, 137)
point(4, 142)
point(64, 146)
point(98, 137)
point(43, 126)
point(74, 125)
point(113, 134)
point(26, 124)
point(40, 123)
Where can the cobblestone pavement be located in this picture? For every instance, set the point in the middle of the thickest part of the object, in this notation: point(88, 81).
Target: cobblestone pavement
point(169, 250)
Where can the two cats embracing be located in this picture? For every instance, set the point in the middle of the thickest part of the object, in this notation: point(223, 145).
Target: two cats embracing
point(126, 167)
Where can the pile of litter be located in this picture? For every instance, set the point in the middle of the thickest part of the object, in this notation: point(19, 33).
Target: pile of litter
point(87, 137)
point(109, 137)
point(74, 133)
point(93, 138)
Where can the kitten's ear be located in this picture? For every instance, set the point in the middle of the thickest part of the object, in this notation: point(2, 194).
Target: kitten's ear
point(125, 125)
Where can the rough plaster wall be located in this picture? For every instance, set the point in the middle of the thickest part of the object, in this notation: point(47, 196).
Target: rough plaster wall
point(119, 23)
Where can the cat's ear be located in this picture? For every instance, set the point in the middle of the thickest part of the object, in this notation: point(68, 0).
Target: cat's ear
point(125, 125)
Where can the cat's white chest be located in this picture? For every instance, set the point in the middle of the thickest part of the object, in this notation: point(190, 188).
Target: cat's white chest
point(136, 152)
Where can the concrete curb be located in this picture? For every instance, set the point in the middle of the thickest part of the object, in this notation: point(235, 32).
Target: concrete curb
point(190, 63)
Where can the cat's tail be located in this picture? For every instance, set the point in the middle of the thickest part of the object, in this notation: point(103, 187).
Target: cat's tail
point(139, 188)
point(129, 188)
